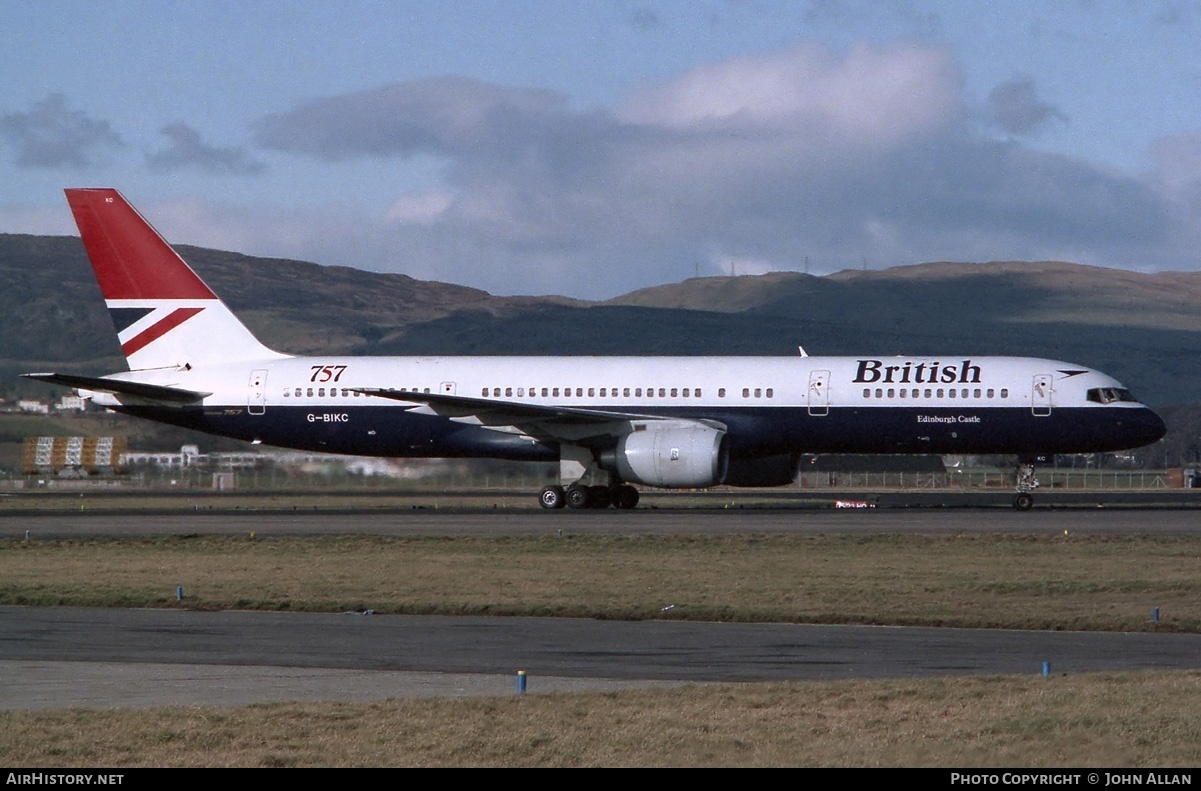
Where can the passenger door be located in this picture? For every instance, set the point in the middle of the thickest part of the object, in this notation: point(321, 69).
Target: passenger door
point(257, 400)
point(819, 393)
point(1041, 395)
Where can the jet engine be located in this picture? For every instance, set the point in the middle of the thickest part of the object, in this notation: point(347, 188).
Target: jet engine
point(675, 455)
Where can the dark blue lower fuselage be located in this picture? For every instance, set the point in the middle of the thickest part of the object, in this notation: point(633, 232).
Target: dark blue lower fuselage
point(395, 432)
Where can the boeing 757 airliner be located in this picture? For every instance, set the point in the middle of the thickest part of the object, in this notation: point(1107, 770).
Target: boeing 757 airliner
point(611, 422)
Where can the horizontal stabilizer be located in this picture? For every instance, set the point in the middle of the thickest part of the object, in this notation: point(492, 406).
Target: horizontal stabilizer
point(171, 395)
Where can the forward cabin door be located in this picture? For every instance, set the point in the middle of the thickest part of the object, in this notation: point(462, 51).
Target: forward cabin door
point(1040, 398)
point(819, 393)
point(257, 400)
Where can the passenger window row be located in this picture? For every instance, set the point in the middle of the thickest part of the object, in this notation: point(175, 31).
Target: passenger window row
point(555, 392)
point(917, 392)
point(320, 392)
point(616, 392)
point(592, 392)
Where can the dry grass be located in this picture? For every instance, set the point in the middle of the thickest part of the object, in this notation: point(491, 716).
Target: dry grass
point(1113, 720)
point(1026, 581)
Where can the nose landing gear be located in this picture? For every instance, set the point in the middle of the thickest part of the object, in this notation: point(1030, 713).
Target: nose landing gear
point(1026, 483)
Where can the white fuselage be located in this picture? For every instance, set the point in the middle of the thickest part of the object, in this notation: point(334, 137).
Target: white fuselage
point(941, 404)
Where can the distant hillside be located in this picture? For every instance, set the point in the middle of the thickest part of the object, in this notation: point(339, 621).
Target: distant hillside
point(1143, 328)
point(1006, 291)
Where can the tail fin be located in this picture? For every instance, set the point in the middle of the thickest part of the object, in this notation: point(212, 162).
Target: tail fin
point(165, 316)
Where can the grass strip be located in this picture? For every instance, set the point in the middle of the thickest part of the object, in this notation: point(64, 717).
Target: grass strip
point(1098, 583)
point(1110, 720)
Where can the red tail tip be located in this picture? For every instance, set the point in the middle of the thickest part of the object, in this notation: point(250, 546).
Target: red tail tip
point(130, 258)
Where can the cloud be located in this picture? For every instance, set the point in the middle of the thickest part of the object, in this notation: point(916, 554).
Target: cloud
point(187, 150)
point(869, 97)
point(1178, 160)
point(448, 116)
point(255, 231)
point(757, 162)
point(1014, 107)
point(52, 136)
point(421, 208)
point(1178, 173)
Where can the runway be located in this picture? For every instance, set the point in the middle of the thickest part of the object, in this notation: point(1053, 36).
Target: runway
point(691, 521)
point(56, 657)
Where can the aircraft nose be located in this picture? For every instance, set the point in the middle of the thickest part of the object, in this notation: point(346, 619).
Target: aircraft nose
point(1146, 427)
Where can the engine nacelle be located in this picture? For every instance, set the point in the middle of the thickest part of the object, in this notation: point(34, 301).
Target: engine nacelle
point(778, 470)
point(674, 456)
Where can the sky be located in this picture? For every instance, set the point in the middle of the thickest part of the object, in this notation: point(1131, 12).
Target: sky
point(590, 149)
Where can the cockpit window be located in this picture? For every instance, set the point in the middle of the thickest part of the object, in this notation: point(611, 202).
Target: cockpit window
point(1110, 395)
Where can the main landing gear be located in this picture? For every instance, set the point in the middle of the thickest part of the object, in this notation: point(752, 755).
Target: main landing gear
point(621, 496)
point(587, 484)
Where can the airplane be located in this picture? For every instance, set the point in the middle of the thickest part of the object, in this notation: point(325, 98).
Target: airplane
point(610, 422)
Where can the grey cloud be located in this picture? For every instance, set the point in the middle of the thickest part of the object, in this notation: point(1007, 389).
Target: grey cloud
point(50, 135)
point(541, 197)
point(186, 149)
point(960, 198)
point(956, 198)
point(450, 116)
point(1014, 106)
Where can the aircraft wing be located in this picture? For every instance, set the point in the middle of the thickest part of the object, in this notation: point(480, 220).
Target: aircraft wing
point(544, 422)
point(163, 393)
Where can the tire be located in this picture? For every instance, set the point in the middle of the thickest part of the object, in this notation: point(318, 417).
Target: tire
point(577, 497)
point(599, 497)
point(625, 497)
point(552, 497)
point(1023, 502)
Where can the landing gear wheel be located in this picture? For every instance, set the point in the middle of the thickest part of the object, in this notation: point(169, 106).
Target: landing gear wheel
point(1023, 501)
point(625, 497)
point(552, 497)
point(599, 497)
point(578, 497)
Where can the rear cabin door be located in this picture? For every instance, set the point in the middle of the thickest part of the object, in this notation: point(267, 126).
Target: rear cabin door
point(257, 400)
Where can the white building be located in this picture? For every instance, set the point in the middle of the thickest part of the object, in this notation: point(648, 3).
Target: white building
point(70, 402)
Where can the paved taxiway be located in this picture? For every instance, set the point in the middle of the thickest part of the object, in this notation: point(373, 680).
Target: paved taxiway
point(53, 657)
point(74, 656)
point(763, 521)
